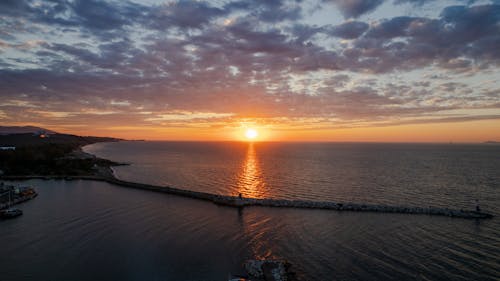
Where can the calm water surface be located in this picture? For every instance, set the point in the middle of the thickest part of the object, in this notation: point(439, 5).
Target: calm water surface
point(85, 230)
point(411, 174)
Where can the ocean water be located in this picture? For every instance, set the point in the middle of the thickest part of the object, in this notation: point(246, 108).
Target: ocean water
point(86, 230)
point(441, 175)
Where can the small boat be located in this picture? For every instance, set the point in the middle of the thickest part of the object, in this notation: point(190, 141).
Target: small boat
point(10, 213)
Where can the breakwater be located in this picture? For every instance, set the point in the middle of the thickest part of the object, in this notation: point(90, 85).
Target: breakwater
point(235, 201)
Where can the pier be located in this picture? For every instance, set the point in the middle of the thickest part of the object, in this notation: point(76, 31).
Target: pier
point(237, 202)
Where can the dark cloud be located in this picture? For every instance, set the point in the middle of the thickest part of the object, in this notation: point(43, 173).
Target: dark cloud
point(349, 30)
point(395, 27)
point(414, 2)
point(356, 8)
point(281, 14)
point(271, 11)
point(14, 7)
point(183, 14)
point(453, 40)
point(107, 19)
point(422, 2)
point(100, 15)
point(303, 33)
point(104, 19)
point(110, 56)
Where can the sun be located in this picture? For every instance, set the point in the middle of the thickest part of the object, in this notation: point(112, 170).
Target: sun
point(251, 134)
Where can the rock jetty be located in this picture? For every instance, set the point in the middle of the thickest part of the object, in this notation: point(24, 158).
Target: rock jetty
point(305, 204)
point(236, 201)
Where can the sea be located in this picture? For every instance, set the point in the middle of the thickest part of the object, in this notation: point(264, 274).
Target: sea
point(89, 230)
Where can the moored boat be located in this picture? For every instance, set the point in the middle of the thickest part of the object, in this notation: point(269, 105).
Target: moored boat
point(10, 213)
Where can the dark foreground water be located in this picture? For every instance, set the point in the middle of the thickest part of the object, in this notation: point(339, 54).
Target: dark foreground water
point(84, 230)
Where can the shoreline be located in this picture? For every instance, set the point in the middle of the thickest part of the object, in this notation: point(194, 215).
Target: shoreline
point(236, 202)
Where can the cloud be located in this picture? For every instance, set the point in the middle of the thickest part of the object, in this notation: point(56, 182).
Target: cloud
point(356, 8)
point(183, 14)
point(452, 41)
point(100, 15)
point(249, 59)
point(97, 17)
point(186, 115)
point(422, 2)
point(271, 11)
point(349, 30)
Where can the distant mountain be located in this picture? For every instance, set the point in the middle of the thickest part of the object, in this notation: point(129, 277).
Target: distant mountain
point(9, 130)
point(33, 139)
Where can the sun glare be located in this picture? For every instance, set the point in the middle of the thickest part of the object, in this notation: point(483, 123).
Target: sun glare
point(251, 134)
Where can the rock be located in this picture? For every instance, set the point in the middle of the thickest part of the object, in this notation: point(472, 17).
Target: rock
point(274, 271)
point(268, 270)
point(254, 268)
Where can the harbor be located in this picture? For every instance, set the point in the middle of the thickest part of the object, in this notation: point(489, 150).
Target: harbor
point(11, 195)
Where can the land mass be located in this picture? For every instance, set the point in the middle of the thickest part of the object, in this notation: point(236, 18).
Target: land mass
point(50, 154)
point(8, 130)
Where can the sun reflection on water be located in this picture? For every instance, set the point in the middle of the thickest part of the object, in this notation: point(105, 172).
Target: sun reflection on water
point(250, 180)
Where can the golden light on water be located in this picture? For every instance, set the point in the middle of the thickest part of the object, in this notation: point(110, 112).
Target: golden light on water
point(250, 180)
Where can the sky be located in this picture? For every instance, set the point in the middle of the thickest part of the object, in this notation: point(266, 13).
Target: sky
point(325, 70)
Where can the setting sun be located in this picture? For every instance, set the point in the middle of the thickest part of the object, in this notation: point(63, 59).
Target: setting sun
point(251, 134)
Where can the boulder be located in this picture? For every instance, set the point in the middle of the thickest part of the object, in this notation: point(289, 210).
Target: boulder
point(268, 270)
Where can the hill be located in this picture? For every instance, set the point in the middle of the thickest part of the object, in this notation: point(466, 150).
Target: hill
point(7, 130)
point(31, 139)
point(50, 154)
